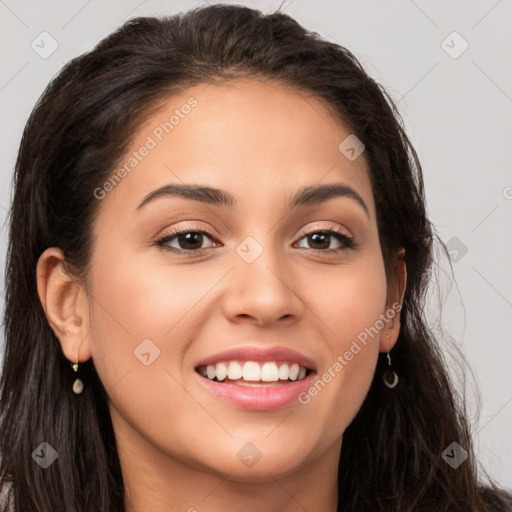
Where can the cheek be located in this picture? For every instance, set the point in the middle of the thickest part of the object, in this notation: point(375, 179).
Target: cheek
point(142, 318)
point(132, 303)
point(351, 302)
point(134, 300)
point(351, 308)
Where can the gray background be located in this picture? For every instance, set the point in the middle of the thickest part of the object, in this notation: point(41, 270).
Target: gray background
point(457, 111)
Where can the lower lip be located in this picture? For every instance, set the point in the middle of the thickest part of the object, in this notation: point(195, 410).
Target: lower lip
point(258, 398)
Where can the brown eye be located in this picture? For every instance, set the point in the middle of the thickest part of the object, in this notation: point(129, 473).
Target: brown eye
point(321, 240)
point(190, 240)
point(184, 241)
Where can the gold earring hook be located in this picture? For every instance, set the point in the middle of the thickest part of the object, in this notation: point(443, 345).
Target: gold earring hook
point(75, 365)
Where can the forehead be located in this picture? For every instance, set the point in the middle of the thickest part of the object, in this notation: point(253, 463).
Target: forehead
point(258, 138)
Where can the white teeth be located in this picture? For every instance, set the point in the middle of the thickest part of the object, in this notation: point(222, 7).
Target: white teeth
point(294, 371)
point(253, 371)
point(210, 371)
point(234, 370)
point(284, 372)
point(269, 372)
point(221, 371)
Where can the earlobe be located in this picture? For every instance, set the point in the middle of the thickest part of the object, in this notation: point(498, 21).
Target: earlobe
point(64, 303)
point(394, 304)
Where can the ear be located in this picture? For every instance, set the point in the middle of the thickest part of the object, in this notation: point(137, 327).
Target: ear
point(396, 292)
point(65, 304)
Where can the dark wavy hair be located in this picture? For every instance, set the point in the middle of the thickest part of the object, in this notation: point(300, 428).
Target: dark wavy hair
point(74, 139)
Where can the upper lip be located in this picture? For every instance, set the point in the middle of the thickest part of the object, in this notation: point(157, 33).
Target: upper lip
point(259, 354)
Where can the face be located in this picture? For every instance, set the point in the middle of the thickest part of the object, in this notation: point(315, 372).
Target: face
point(257, 283)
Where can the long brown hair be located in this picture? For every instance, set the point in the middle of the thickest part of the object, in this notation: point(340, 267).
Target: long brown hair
point(76, 135)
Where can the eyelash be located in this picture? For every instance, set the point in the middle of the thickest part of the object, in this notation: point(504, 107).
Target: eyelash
point(330, 230)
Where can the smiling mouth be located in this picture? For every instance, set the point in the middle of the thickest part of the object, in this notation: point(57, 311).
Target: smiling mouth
point(252, 373)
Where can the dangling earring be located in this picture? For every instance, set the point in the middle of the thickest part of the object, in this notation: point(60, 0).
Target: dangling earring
point(78, 385)
point(390, 377)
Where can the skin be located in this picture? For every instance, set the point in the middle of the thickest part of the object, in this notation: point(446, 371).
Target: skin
point(178, 444)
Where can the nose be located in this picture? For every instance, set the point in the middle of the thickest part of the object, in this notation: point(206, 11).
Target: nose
point(263, 292)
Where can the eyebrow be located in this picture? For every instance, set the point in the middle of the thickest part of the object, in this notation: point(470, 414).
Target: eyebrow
point(309, 195)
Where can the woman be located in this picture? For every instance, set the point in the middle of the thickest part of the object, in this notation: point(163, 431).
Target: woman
point(217, 267)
